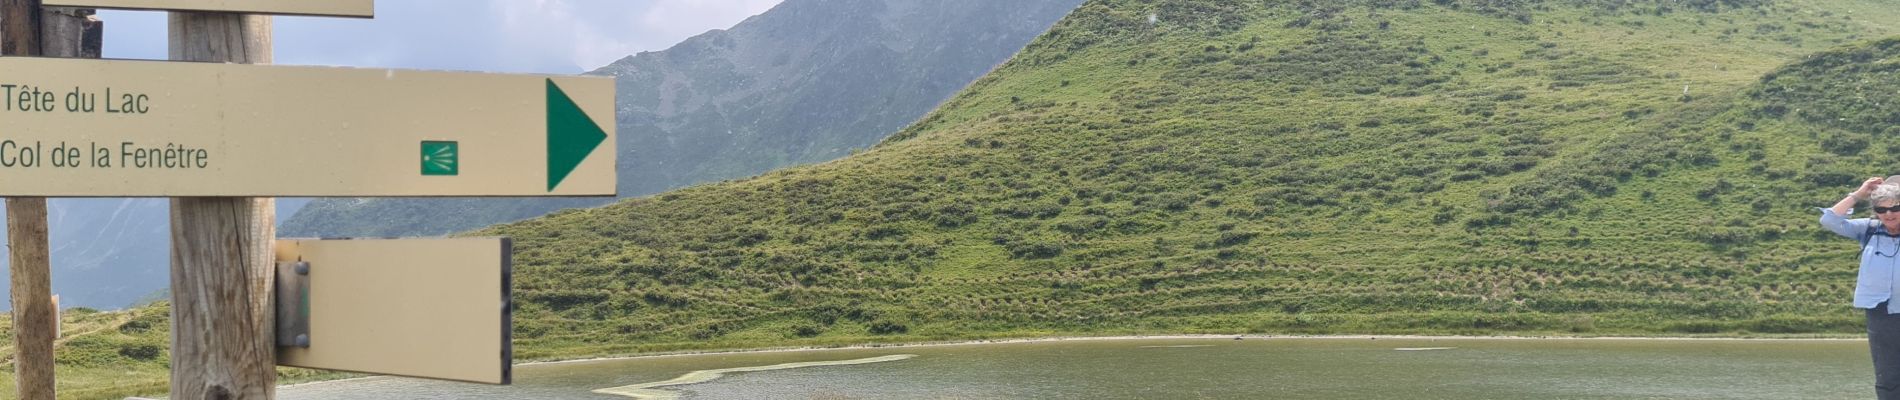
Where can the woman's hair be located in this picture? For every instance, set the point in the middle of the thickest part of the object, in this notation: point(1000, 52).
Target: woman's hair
point(1886, 192)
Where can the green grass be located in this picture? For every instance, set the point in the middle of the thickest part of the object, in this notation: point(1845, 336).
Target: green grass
point(101, 354)
point(1341, 167)
point(1348, 167)
point(114, 355)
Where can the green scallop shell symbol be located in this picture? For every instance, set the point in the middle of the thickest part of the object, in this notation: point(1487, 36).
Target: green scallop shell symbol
point(439, 158)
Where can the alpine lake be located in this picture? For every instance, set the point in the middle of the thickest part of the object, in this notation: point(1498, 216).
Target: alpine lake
point(1193, 368)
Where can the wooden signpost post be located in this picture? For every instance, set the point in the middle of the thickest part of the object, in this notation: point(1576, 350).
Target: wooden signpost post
point(222, 138)
point(28, 30)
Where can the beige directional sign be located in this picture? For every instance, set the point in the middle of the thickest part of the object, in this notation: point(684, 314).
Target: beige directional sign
point(117, 128)
point(430, 308)
point(333, 8)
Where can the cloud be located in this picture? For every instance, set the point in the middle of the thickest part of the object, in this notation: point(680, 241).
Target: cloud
point(604, 33)
point(679, 18)
point(544, 36)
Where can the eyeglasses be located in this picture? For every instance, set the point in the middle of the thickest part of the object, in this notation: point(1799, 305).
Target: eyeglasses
point(1884, 210)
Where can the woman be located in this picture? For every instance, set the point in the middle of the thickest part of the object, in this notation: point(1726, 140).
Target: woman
point(1880, 246)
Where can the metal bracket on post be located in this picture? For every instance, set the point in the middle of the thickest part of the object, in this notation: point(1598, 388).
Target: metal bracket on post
point(293, 304)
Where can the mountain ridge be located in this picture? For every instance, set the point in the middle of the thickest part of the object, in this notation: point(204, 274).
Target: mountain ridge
point(805, 82)
point(110, 253)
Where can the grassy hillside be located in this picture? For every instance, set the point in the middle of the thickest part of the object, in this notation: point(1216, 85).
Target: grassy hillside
point(114, 355)
point(1442, 167)
point(1462, 167)
point(101, 354)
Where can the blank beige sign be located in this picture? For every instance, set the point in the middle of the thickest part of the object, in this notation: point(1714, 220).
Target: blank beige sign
point(430, 308)
point(120, 128)
point(333, 8)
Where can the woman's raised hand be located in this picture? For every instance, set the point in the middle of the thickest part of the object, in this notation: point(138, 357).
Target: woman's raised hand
point(1867, 188)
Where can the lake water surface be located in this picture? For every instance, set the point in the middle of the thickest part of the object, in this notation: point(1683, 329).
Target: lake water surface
point(1217, 368)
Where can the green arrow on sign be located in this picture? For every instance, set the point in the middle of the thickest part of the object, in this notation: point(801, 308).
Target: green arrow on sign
point(571, 135)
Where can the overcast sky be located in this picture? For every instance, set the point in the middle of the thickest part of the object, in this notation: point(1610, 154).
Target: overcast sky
point(540, 36)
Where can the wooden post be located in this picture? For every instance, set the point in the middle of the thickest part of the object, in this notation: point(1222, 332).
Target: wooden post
point(25, 31)
point(71, 32)
point(20, 35)
point(223, 266)
point(33, 322)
